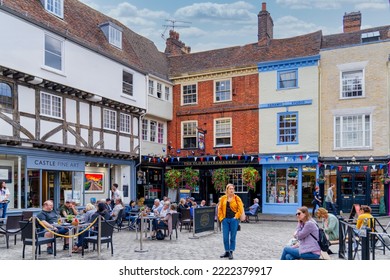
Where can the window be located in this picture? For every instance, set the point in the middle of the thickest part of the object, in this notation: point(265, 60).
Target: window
point(55, 7)
point(127, 86)
point(222, 91)
point(109, 119)
point(352, 84)
point(167, 93)
point(223, 132)
point(53, 52)
point(51, 105)
point(287, 79)
point(6, 100)
point(151, 87)
point(189, 94)
point(159, 90)
point(353, 131)
point(288, 128)
point(189, 134)
point(153, 131)
point(145, 129)
point(160, 134)
point(115, 36)
point(125, 123)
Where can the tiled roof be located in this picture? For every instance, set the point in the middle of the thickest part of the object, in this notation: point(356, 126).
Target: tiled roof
point(352, 38)
point(81, 24)
point(246, 56)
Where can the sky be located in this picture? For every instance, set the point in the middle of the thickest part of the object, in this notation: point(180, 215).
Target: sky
point(219, 24)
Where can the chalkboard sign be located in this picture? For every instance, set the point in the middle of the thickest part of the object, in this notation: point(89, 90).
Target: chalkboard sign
point(204, 219)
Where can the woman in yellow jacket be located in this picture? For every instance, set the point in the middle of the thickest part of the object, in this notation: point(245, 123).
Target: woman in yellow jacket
point(230, 208)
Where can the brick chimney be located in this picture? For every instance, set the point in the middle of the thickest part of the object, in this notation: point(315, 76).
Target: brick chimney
point(352, 22)
point(265, 26)
point(174, 46)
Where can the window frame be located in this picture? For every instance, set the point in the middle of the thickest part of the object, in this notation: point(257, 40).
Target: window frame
point(339, 134)
point(160, 133)
point(193, 95)
point(362, 84)
point(53, 54)
point(111, 122)
point(49, 112)
point(167, 93)
point(286, 71)
point(229, 91)
point(53, 3)
point(115, 36)
point(153, 130)
point(151, 87)
point(6, 102)
point(296, 127)
point(127, 86)
point(159, 90)
point(125, 123)
point(194, 124)
point(223, 137)
point(145, 129)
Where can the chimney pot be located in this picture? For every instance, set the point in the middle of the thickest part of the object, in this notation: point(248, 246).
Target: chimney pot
point(264, 6)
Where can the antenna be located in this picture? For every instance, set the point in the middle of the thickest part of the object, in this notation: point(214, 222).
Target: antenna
point(173, 25)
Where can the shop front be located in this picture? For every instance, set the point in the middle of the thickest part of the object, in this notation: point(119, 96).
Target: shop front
point(288, 182)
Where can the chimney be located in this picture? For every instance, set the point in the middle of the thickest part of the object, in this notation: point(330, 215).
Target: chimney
point(352, 22)
point(174, 46)
point(265, 26)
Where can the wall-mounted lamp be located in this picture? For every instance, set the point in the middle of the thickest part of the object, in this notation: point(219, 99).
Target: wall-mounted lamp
point(353, 158)
point(35, 81)
point(336, 157)
point(94, 98)
point(371, 159)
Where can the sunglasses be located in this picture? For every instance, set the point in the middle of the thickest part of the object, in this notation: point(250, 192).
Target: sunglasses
point(297, 214)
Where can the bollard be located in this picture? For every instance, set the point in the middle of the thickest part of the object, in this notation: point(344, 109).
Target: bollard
point(99, 235)
point(33, 237)
point(141, 250)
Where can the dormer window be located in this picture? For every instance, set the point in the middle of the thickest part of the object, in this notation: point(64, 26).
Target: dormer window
point(113, 33)
point(55, 7)
point(370, 37)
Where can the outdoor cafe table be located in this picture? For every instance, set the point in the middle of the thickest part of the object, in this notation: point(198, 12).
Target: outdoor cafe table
point(72, 230)
point(146, 219)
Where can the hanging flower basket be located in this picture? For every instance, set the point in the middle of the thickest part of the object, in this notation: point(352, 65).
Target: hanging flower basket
point(220, 179)
point(191, 178)
point(173, 178)
point(250, 176)
point(271, 173)
point(321, 180)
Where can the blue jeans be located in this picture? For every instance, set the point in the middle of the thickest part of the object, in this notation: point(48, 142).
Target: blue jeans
point(229, 231)
point(4, 206)
point(291, 253)
point(331, 208)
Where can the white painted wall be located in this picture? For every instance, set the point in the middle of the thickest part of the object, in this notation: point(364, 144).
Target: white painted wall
point(26, 100)
point(71, 113)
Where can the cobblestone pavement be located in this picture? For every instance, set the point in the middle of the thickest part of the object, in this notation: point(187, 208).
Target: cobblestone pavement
point(256, 241)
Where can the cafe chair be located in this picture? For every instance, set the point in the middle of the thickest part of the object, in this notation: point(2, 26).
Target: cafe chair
point(27, 238)
point(186, 219)
point(26, 215)
point(106, 231)
point(175, 224)
point(12, 227)
point(119, 220)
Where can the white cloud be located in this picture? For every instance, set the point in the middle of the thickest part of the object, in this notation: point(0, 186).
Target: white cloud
point(236, 12)
point(289, 26)
point(333, 4)
point(372, 6)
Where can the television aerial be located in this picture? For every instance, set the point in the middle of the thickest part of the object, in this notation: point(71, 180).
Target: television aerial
point(173, 25)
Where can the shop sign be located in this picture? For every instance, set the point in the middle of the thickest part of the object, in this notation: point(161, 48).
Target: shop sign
point(47, 163)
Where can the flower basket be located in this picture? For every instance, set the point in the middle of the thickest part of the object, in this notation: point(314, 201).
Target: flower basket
point(191, 178)
point(220, 179)
point(250, 176)
point(173, 178)
point(321, 180)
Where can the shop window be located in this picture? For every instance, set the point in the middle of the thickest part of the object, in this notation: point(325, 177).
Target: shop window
point(6, 96)
point(282, 185)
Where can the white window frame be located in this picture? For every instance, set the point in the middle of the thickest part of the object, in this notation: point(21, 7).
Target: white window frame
point(192, 95)
point(167, 93)
point(127, 86)
point(54, 54)
point(153, 131)
point(125, 123)
point(364, 133)
point(151, 87)
point(145, 129)
point(193, 124)
point(55, 7)
point(109, 119)
point(344, 85)
point(223, 134)
point(159, 90)
point(52, 106)
point(160, 133)
point(226, 92)
point(115, 36)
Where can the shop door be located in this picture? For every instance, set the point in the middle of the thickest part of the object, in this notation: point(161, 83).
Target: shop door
point(353, 190)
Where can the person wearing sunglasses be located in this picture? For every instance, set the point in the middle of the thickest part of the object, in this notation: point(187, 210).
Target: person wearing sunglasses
point(307, 234)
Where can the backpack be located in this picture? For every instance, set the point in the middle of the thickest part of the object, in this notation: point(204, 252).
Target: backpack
point(323, 240)
point(160, 235)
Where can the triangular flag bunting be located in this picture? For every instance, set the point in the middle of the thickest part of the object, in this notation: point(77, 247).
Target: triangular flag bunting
point(252, 157)
point(195, 158)
point(239, 157)
point(214, 158)
point(340, 167)
point(348, 168)
point(285, 158)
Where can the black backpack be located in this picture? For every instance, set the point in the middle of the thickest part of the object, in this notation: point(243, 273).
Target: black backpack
point(323, 240)
point(160, 235)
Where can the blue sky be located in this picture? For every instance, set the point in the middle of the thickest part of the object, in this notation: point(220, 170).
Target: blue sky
point(227, 23)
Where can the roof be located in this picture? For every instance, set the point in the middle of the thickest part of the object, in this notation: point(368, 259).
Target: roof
point(246, 56)
point(81, 24)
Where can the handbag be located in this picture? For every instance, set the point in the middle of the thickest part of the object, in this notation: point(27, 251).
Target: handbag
point(239, 227)
point(243, 216)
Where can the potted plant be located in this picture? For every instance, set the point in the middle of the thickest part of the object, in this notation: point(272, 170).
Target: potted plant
point(250, 176)
point(321, 179)
point(220, 179)
point(173, 178)
point(292, 172)
point(271, 173)
point(191, 178)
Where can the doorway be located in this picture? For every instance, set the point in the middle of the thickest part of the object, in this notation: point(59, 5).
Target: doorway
point(352, 190)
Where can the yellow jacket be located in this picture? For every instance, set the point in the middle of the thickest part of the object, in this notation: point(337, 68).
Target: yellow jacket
point(236, 205)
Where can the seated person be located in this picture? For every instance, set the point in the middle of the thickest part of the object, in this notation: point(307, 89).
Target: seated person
point(364, 218)
point(157, 206)
point(48, 217)
point(194, 205)
point(330, 222)
point(118, 206)
point(203, 203)
point(67, 209)
point(89, 210)
point(252, 211)
point(161, 222)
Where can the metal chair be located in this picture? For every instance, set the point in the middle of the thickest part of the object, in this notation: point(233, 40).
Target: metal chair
point(186, 219)
point(106, 231)
point(27, 238)
point(12, 227)
point(175, 221)
point(26, 215)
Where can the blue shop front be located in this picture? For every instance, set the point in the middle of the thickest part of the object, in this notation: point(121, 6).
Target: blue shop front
point(288, 181)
